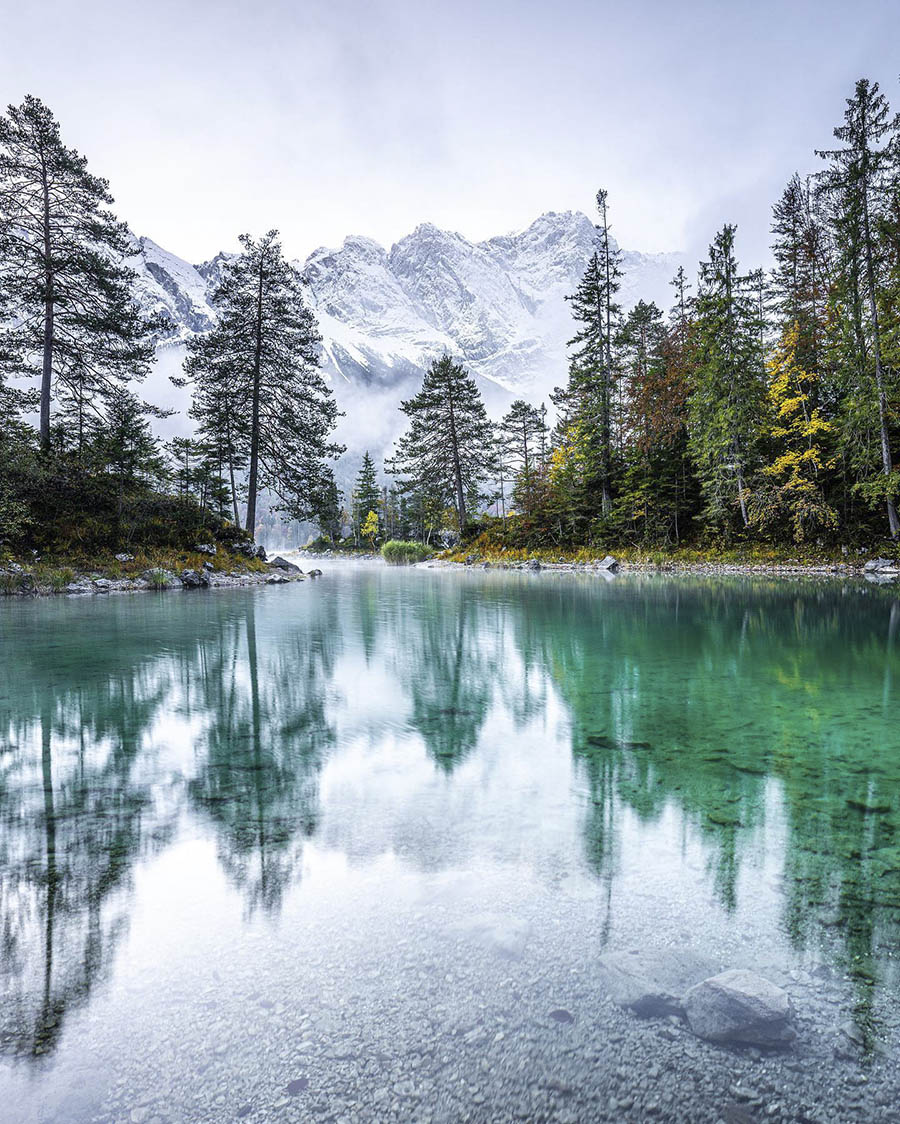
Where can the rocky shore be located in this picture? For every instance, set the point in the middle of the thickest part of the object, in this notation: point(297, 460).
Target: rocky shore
point(22, 580)
point(876, 570)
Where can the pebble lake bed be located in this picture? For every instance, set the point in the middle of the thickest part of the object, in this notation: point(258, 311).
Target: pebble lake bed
point(444, 844)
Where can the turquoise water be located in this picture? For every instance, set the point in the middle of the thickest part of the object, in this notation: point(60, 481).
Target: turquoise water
point(258, 848)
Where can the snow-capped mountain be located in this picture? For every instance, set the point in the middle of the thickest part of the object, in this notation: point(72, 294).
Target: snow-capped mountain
point(497, 305)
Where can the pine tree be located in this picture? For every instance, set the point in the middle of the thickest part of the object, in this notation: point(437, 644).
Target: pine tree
point(652, 489)
point(330, 513)
point(262, 356)
point(447, 454)
point(523, 436)
point(366, 494)
point(219, 410)
point(125, 442)
point(800, 279)
point(858, 185)
point(61, 253)
point(593, 373)
point(728, 393)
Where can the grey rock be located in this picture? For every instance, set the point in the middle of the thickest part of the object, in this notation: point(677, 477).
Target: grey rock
point(208, 567)
point(608, 563)
point(101, 585)
point(653, 982)
point(533, 564)
point(79, 587)
point(282, 564)
point(193, 579)
point(277, 579)
point(249, 549)
point(206, 548)
point(124, 557)
point(740, 1007)
point(876, 565)
point(314, 574)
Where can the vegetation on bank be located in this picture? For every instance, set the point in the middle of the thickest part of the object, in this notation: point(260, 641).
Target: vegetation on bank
point(53, 574)
point(399, 553)
point(513, 539)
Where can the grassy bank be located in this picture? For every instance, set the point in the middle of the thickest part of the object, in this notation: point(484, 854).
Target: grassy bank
point(151, 568)
point(749, 555)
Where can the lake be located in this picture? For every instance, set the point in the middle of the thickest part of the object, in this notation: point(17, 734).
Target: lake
point(351, 849)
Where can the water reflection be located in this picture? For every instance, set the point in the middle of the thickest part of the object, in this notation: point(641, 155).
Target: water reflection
point(760, 713)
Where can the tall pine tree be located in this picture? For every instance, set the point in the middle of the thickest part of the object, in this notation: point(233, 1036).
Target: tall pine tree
point(523, 437)
point(590, 395)
point(859, 184)
point(728, 394)
point(261, 362)
point(61, 252)
point(447, 455)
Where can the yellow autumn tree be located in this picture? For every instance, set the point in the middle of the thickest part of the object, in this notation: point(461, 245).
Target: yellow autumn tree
point(369, 529)
point(793, 492)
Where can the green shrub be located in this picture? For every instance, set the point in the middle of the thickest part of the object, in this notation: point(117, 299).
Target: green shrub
point(10, 583)
point(399, 553)
point(157, 579)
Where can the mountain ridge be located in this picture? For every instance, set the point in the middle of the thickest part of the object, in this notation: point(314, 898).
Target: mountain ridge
point(497, 305)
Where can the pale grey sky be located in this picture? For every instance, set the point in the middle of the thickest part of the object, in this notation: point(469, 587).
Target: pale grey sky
point(326, 117)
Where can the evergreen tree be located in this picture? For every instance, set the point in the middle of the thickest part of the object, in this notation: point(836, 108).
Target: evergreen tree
point(590, 395)
point(447, 455)
point(800, 278)
point(522, 438)
point(125, 442)
point(653, 486)
point(859, 184)
point(330, 513)
point(728, 395)
point(219, 410)
point(366, 495)
point(61, 253)
point(262, 356)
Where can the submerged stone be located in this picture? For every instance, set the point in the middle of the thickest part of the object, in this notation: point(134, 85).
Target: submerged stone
point(653, 982)
point(740, 1007)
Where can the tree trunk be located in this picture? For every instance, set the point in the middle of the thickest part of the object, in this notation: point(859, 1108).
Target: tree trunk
point(886, 461)
point(457, 471)
point(254, 429)
point(49, 308)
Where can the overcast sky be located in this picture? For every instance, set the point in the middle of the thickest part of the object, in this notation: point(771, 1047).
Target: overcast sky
point(329, 117)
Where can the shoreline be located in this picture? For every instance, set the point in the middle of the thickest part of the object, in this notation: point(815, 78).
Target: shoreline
point(880, 572)
point(21, 580)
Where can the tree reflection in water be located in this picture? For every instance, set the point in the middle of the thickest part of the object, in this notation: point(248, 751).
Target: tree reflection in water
point(760, 715)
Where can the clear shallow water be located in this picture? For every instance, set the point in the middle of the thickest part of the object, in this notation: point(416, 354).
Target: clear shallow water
point(351, 849)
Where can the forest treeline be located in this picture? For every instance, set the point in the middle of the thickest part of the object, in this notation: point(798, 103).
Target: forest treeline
point(93, 474)
point(761, 406)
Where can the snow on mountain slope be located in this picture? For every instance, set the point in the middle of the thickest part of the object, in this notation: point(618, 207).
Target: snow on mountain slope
point(171, 288)
point(498, 305)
